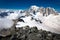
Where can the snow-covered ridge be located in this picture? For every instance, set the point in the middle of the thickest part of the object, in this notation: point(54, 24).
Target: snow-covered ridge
point(44, 18)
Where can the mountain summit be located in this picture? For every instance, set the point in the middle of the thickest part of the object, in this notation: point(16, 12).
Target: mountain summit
point(45, 11)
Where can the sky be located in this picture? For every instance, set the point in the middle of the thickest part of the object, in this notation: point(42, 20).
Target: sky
point(25, 4)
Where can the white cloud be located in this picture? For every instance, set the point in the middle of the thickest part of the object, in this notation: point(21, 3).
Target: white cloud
point(13, 16)
point(5, 23)
point(53, 21)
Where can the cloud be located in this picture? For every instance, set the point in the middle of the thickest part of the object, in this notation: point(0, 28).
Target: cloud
point(53, 21)
point(5, 23)
point(13, 16)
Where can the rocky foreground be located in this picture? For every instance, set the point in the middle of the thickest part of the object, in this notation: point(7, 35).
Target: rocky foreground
point(27, 33)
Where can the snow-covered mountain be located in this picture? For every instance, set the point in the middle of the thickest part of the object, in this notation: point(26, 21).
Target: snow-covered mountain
point(43, 18)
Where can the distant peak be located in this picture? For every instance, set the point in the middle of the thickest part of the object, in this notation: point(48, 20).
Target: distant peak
point(34, 7)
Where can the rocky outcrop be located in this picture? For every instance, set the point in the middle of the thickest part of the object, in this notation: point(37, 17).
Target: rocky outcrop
point(27, 33)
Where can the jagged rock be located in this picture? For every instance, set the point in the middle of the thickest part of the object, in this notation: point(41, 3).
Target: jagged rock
point(26, 27)
point(14, 37)
point(27, 33)
point(33, 37)
point(5, 32)
point(34, 29)
point(57, 37)
point(23, 37)
point(49, 37)
point(21, 20)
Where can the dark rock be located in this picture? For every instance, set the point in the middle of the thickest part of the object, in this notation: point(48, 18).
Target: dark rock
point(27, 33)
point(26, 28)
point(34, 29)
point(23, 37)
point(14, 37)
point(3, 14)
point(22, 17)
point(21, 20)
point(32, 18)
point(57, 37)
point(33, 36)
point(38, 20)
point(5, 32)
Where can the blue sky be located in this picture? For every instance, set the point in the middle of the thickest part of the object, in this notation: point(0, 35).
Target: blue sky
point(24, 4)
